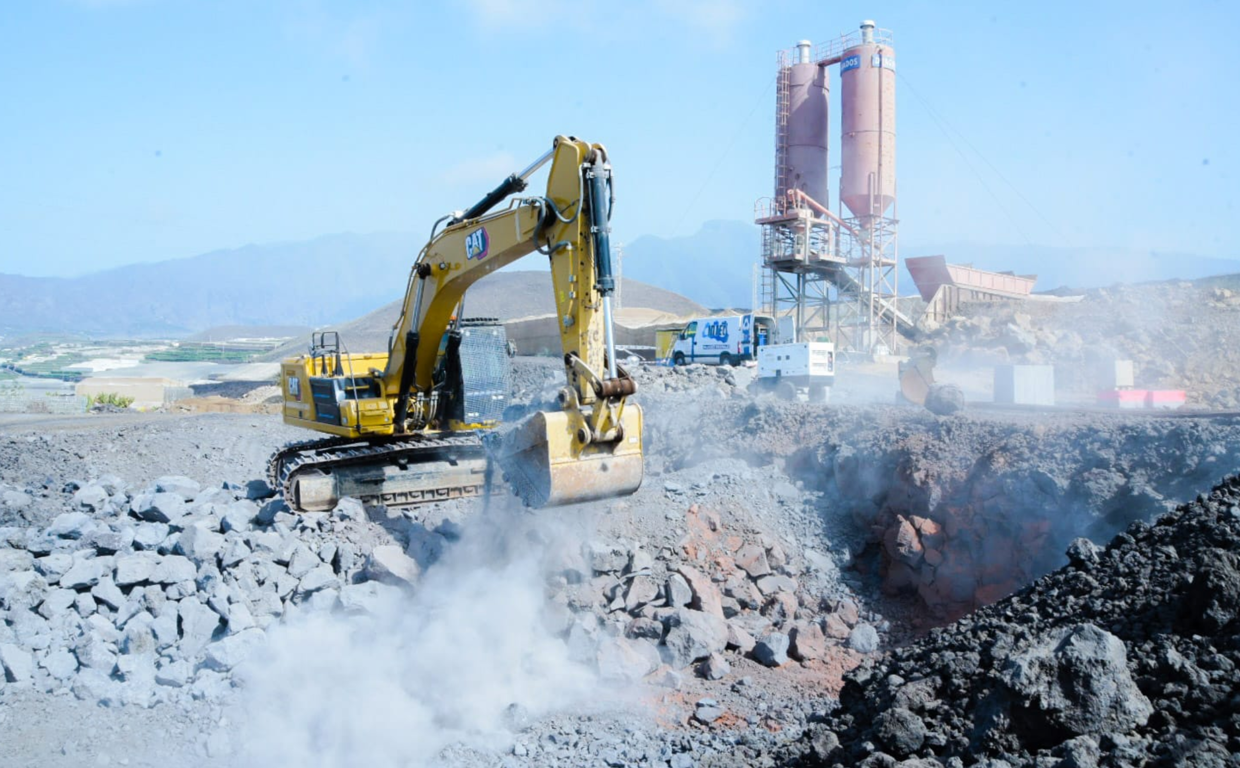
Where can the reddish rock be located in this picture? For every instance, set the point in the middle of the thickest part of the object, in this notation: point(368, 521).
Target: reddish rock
point(836, 627)
point(706, 597)
point(775, 556)
point(808, 642)
point(773, 584)
point(930, 532)
point(933, 557)
point(902, 543)
point(751, 558)
point(848, 611)
point(739, 638)
point(993, 593)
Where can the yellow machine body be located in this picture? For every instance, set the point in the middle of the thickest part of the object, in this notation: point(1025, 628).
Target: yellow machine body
point(302, 378)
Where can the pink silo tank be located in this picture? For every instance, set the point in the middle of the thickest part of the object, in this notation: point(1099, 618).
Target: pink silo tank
point(807, 126)
point(868, 146)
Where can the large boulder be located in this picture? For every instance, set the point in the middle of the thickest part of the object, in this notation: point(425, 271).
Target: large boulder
point(1214, 595)
point(389, 564)
point(900, 731)
point(1076, 680)
point(945, 399)
point(180, 485)
point(621, 659)
point(693, 635)
point(158, 507)
point(771, 649)
point(135, 568)
point(706, 596)
point(70, 525)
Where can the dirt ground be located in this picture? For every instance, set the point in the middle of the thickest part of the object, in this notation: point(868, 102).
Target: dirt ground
point(867, 524)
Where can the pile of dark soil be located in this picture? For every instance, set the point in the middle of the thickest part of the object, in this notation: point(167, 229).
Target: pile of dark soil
point(1125, 657)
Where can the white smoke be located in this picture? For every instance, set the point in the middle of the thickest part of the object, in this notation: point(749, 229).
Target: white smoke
point(440, 667)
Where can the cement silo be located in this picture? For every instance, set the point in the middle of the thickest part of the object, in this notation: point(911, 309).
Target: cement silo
point(868, 145)
point(807, 124)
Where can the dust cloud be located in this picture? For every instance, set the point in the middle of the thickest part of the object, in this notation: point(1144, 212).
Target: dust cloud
point(464, 659)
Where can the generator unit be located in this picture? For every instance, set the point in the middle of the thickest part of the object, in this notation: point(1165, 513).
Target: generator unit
point(799, 369)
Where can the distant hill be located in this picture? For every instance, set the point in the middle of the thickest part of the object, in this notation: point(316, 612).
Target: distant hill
point(328, 279)
point(505, 295)
point(334, 278)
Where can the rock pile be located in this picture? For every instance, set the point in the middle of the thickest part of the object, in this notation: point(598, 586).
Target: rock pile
point(657, 616)
point(156, 594)
point(722, 381)
point(1180, 335)
point(1127, 656)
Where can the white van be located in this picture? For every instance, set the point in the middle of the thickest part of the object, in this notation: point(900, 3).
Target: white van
point(724, 340)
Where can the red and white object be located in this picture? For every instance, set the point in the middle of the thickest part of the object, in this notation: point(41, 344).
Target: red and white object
point(1126, 399)
point(1170, 399)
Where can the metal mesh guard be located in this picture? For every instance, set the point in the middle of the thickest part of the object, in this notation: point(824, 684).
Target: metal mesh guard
point(484, 366)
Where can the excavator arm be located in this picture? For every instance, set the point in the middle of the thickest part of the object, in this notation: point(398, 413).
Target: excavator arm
point(592, 447)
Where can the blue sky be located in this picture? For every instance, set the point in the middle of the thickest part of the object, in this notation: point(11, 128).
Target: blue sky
point(141, 130)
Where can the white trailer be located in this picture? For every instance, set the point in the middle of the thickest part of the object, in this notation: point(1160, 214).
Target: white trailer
point(723, 340)
point(790, 370)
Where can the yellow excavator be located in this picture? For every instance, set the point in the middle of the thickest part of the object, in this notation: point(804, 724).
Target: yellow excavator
point(421, 423)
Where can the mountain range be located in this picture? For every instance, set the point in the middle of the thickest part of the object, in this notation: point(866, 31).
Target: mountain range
point(325, 280)
point(336, 278)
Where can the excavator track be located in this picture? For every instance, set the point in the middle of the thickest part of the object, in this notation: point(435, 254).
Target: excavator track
point(395, 472)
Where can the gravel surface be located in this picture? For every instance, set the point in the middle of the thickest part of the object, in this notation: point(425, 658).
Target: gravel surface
point(160, 606)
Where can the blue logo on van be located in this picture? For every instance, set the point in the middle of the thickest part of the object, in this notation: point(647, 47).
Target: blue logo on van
point(850, 62)
point(716, 329)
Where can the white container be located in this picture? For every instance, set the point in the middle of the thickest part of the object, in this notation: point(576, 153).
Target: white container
point(1025, 384)
point(1117, 374)
point(805, 364)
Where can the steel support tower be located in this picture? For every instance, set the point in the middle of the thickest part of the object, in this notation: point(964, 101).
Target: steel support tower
point(836, 277)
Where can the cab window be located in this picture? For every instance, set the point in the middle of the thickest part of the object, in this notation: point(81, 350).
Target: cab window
point(690, 330)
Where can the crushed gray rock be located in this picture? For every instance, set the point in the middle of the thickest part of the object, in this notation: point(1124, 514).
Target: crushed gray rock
point(771, 649)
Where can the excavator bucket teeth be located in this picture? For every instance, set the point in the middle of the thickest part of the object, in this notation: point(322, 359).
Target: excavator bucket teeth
point(546, 465)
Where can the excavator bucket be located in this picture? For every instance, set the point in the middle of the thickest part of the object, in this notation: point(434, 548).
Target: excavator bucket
point(547, 465)
point(917, 375)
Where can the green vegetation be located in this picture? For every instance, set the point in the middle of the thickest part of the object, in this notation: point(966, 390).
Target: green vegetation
point(193, 353)
point(109, 398)
point(46, 370)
